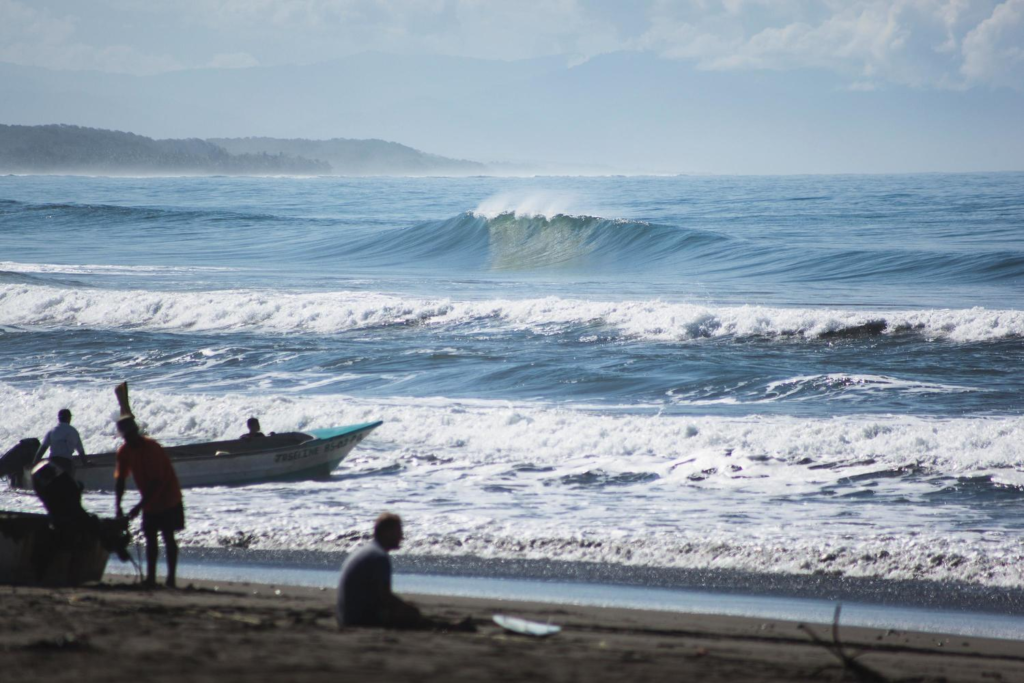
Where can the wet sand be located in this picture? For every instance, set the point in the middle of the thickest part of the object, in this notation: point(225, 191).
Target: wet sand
point(245, 632)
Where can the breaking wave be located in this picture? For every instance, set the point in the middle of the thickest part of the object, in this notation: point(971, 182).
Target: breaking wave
point(514, 241)
point(282, 312)
point(517, 241)
point(490, 478)
point(536, 236)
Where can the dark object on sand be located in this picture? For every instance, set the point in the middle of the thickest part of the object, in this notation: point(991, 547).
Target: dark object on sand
point(65, 547)
point(861, 672)
point(33, 551)
point(14, 462)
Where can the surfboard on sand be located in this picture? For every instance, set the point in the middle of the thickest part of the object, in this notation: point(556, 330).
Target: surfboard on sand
point(526, 628)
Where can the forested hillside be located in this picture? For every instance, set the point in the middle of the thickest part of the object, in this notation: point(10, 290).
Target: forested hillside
point(356, 157)
point(74, 149)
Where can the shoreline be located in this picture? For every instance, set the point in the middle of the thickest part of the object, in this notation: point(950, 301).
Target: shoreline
point(907, 593)
point(244, 631)
point(457, 581)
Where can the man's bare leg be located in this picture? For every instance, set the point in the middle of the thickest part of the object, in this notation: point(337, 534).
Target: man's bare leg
point(152, 552)
point(172, 557)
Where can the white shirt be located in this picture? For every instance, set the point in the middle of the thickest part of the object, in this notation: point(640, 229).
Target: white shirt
point(63, 440)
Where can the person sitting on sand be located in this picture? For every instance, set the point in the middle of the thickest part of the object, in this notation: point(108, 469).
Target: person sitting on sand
point(161, 503)
point(254, 429)
point(364, 591)
point(62, 442)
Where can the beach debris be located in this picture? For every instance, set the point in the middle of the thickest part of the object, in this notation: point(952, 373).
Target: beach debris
point(631, 657)
point(466, 625)
point(247, 619)
point(836, 648)
point(66, 642)
point(525, 627)
point(240, 539)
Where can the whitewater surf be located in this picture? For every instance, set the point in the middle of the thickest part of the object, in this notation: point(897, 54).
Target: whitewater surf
point(780, 376)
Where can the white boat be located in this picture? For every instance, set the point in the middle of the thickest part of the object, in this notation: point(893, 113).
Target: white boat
point(291, 456)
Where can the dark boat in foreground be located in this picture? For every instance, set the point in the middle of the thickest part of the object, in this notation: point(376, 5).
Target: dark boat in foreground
point(33, 551)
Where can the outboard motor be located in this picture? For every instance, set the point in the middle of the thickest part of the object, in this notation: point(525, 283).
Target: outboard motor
point(14, 461)
point(62, 497)
point(59, 492)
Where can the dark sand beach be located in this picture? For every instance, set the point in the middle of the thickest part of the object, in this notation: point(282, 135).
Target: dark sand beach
point(243, 632)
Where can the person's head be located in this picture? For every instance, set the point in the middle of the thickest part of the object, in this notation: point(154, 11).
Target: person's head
point(253, 424)
point(388, 531)
point(128, 428)
point(64, 415)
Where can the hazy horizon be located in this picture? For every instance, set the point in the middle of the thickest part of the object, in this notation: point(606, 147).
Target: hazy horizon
point(718, 87)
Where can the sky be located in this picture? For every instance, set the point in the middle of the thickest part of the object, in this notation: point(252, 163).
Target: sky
point(901, 57)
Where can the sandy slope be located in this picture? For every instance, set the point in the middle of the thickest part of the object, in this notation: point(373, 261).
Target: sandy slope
point(247, 632)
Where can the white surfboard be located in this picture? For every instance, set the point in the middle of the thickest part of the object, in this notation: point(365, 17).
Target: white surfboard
point(526, 628)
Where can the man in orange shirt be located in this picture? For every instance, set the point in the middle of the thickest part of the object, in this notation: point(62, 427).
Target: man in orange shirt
point(161, 504)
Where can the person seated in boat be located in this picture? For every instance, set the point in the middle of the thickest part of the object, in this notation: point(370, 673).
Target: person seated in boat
point(163, 513)
point(364, 591)
point(254, 429)
point(63, 441)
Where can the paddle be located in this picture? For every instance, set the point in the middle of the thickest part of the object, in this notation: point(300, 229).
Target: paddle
point(121, 391)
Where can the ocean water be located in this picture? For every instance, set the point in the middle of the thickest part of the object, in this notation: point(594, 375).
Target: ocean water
point(770, 374)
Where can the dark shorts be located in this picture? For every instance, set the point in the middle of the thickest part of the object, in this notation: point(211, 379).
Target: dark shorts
point(172, 519)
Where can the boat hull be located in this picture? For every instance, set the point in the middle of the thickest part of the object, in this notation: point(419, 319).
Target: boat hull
point(32, 552)
point(314, 458)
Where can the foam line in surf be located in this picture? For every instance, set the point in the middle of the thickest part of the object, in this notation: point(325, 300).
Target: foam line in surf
point(104, 269)
point(278, 312)
point(462, 464)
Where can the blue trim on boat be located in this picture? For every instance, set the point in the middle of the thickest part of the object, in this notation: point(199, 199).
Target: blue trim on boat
point(332, 432)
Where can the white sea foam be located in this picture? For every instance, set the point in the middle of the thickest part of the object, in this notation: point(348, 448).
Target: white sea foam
point(274, 311)
point(496, 479)
point(536, 204)
point(85, 269)
point(269, 311)
point(853, 384)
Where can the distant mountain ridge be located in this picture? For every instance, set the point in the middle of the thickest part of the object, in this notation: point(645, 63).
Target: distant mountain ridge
point(355, 157)
point(62, 148)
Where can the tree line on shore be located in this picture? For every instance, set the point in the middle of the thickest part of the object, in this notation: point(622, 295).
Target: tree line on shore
point(68, 149)
point(73, 149)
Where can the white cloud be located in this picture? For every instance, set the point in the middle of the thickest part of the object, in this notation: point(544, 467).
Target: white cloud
point(233, 60)
point(921, 43)
point(994, 50)
point(918, 43)
point(862, 86)
point(40, 38)
point(518, 29)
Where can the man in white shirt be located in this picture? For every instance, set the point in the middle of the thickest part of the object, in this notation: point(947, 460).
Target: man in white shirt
point(62, 442)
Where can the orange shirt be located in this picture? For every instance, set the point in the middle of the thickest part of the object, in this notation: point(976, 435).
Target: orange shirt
point(148, 463)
